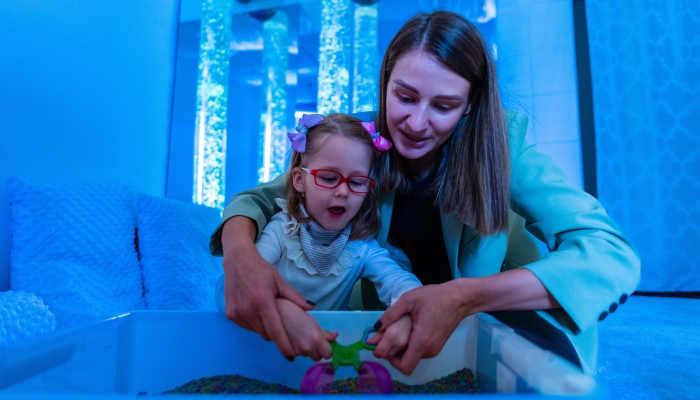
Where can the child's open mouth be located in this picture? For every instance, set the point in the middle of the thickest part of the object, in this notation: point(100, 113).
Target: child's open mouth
point(336, 211)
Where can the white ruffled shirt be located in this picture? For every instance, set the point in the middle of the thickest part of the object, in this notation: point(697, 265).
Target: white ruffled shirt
point(280, 245)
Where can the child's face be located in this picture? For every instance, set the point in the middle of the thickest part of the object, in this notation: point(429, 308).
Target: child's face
point(334, 208)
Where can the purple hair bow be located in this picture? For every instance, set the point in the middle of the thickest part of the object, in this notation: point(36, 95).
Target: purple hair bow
point(380, 142)
point(298, 138)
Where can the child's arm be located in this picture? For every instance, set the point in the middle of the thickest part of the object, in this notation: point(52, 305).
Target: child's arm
point(392, 341)
point(306, 336)
point(391, 279)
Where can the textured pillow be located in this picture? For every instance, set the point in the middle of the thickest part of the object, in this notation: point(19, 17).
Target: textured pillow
point(179, 273)
point(73, 245)
point(23, 316)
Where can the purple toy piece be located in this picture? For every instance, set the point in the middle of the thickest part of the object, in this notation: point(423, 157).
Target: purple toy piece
point(318, 379)
point(374, 378)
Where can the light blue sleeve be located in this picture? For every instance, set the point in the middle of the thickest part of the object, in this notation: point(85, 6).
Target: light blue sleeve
point(270, 244)
point(399, 256)
point(390, 279)
point(591, 266)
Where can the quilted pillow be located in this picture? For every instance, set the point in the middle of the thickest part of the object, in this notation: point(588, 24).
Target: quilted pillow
point(179, 273)
point(73, 245)
point(23, 316)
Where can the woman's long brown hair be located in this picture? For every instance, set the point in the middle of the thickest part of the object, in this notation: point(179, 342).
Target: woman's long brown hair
point(472, 177)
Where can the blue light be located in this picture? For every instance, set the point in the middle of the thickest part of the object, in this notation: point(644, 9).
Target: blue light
point(334, 57)
point(273, 127)
point(366, 64)
point(212, 102)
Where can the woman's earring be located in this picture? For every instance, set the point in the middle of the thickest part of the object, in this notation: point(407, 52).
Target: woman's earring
point(303, 195)
point(468, 110)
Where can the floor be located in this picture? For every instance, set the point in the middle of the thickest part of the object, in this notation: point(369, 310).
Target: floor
point(650, 349)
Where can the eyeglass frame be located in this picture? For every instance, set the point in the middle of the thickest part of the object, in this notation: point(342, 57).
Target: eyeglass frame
point(343, 179)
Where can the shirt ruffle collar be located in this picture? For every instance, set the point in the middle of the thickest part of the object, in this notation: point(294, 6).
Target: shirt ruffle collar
point(296, 253)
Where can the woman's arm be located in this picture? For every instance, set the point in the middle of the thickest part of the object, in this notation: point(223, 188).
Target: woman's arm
point(590, 267)
point(436, 310)
point(258, 204)
point(251, 284)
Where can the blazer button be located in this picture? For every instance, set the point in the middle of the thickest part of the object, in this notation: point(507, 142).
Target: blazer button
point(623, 299)
point(603, 315)
point(613, 308)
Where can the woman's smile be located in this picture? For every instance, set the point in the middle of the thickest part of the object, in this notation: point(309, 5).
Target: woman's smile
point(418, 141)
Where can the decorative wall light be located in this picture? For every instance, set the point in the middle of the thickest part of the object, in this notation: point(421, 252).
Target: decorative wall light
point(273, 126)
point(212, 99)
point(334, 57)
point(365, 56)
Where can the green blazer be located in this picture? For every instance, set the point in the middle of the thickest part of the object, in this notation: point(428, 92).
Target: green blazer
point(590, 270)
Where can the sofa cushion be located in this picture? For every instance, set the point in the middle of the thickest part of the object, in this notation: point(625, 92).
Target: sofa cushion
point(179, 273)
point(73, 245)
point(23, 316)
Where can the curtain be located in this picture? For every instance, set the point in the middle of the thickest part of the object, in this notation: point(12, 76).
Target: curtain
point(645, 67)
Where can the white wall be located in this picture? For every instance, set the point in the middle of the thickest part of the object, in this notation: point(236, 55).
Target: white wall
point(85, 95)
point(537, 69)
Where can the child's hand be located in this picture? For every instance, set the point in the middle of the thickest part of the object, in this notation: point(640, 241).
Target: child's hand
point(307, 337)
point(392, 341)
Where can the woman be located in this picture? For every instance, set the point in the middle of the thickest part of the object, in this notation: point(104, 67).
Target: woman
point(458, 189)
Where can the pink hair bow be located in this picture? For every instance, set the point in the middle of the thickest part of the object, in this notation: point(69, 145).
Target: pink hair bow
point(298, 138)
point(380, 142)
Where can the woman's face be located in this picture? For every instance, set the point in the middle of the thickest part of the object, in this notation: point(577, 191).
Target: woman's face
point(425, 101)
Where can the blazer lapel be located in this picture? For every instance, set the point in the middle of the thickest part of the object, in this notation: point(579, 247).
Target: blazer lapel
point(452, 232)
point(455, 232)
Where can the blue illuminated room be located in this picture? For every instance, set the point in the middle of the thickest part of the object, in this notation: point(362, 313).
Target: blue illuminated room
point(493, 198)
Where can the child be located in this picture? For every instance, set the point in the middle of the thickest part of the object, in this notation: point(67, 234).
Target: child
point(322, 240)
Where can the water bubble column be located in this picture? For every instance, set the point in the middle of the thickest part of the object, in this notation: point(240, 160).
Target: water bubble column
point(273, 126)
point(212, 101)
point(334, 57)
point(366, 59)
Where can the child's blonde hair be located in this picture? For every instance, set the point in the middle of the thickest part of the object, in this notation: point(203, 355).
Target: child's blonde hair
point(367, 222)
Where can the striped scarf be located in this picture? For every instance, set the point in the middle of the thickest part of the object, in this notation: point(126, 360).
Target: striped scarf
point(321, 246)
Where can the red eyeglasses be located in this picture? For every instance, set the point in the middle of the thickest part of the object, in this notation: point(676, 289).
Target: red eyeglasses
point(331, 179)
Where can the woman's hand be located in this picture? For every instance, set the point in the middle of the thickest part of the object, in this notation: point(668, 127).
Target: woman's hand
point(436, 310)
point(251, 286)
point(306, 336)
